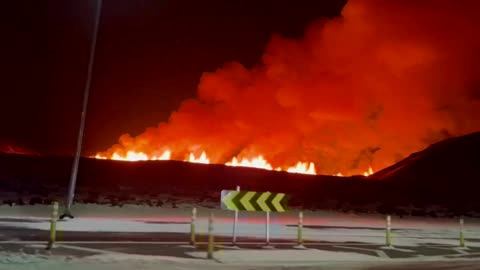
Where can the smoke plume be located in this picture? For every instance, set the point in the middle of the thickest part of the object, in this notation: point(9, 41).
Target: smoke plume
point(383, 80)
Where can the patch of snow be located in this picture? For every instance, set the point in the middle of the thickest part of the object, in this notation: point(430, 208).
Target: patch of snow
point(20, 261)
point(283, 256)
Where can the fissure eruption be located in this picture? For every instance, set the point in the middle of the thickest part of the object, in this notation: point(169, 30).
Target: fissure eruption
point(368, 88)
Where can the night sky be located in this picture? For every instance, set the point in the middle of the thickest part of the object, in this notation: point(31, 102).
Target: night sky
point(150, 56)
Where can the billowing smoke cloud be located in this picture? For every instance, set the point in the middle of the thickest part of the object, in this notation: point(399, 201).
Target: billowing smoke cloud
point(385, 79)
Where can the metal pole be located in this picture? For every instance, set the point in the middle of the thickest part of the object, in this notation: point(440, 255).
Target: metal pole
point(76, 160)
point(53, 226)
point(235, 224)
point(267, 229)
point(267, 233)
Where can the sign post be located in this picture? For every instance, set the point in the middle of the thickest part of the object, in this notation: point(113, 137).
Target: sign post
point(253, 201)
point(267, 232)
point(235, 224)
point(267, 229)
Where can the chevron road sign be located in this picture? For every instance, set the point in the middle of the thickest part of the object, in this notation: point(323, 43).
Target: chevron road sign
point(254, 201)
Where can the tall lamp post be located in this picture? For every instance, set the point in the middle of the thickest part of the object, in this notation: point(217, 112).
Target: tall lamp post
point(76, 160)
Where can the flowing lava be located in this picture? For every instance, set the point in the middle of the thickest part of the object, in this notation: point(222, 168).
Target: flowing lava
point(258, 162)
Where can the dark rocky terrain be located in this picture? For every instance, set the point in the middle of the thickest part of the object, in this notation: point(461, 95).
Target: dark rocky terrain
point(442, 180)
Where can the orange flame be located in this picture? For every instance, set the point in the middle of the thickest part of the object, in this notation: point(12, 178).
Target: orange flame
point(258, 162)
point(164, 156)
point(131, 156)
point(369, 172)
point(203, 159)
point(303, 167)
point(135, 156)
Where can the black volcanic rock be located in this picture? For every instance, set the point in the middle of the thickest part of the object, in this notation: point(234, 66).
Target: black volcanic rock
point(445, 161)
point(446, 174)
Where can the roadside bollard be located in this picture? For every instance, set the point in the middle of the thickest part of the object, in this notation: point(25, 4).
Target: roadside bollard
point(462, 236)
point(299, 231)
point(192, 227)
point(210, 237)
point(53, 226)
point(388, 240)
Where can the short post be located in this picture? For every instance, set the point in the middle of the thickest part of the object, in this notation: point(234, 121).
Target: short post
point(462, 236)
point(210, 237)
point(235, 224)
point(53, 226)
point(300, 228)
point(192, 226)
point(388, 240)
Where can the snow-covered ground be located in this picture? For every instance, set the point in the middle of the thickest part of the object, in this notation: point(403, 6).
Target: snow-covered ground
point(318, 226)
point(128, 262)
point(99, 262)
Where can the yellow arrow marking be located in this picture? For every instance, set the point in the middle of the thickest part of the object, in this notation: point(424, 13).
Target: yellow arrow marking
point(227, 200)
point(245, 201)
point(276, 202)
point(261, 201)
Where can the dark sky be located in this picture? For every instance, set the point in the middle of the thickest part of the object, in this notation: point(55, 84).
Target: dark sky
point(150, 56)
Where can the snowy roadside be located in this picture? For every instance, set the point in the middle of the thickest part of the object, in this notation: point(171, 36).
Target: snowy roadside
point(318, 225)
point(235, 260)
point(21, 261)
